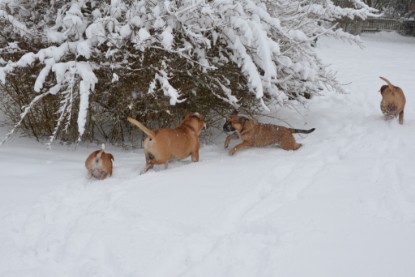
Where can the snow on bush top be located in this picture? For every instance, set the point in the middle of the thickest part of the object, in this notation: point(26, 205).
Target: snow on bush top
point(270, 41)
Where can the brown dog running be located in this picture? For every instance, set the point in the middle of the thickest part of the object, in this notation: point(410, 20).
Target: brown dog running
point(166, 144)
point(99, 164)
point(258, 134)
point(393, 101)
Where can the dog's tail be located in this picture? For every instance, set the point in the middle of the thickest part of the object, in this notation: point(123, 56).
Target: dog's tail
point(143, 128)
point(300, 131)
point(103, 151)
point(387, 81)
point(100, 152)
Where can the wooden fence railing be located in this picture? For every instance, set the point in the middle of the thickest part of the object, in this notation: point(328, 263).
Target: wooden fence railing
point(406, 27)
point(381, 24)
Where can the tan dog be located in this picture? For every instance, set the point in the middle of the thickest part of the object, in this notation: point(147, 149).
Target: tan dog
point(167, 144)
point(99, 164)
point(393, 101)
point(259, 135)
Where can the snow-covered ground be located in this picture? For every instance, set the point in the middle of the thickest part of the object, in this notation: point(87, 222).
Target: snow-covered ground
point(342, 205)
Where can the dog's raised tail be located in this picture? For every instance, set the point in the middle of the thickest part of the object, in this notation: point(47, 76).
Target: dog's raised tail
point(387, 81)
point(300, 131)
point(143, 128)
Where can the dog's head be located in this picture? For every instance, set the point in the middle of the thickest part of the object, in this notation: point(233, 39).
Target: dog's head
point(235, 123)
point(196, 120)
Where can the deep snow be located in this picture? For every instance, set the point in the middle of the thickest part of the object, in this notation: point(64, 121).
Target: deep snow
point(342, 205)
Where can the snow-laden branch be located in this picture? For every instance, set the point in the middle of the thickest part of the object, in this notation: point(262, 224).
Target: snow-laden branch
point(65, 72)
point(18, 26)
point(242, 58)
point(26, 110)
point(163, 80)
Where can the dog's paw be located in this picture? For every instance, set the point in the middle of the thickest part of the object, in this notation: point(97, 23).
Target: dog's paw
point(232, 151)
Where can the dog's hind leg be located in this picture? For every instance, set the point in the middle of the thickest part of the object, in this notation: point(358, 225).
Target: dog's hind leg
point(291, 146)
point(151, 163)
point(289, 143)
point(146, 168)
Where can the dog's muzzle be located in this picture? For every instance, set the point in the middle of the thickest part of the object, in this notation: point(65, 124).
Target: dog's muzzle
point(227, 127)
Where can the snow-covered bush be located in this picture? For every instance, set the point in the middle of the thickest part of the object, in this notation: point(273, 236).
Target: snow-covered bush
point(104, 60)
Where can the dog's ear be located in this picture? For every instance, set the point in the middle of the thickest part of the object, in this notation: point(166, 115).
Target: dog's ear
point(243, 119)
point(185, 116)
point(198, 115)
point(382, 89)
point(111, 157)
point(235, 112)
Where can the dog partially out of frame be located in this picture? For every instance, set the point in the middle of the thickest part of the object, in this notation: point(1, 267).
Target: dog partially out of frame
point(393, 101)
point(167, 144)
point(255, 134)
point(99, 164)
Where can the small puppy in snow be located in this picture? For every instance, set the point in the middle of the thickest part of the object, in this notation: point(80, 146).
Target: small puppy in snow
point(99, 164)
point(393, 101)
point(166, 144)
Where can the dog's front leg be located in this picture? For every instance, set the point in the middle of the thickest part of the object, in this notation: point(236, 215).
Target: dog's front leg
point(229, 138)
point(195, 154)
point(239, 147)
point(401, 117)
point(195, 157)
